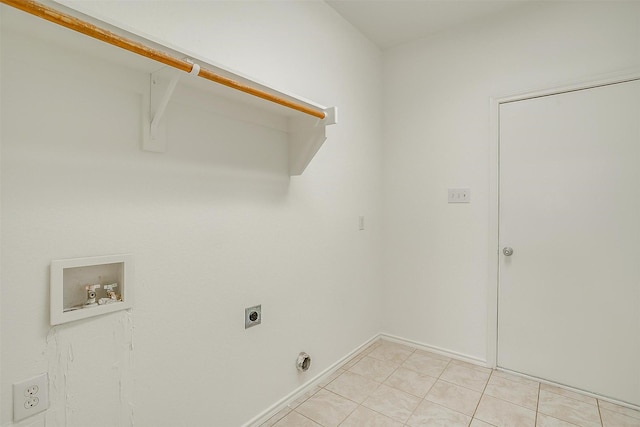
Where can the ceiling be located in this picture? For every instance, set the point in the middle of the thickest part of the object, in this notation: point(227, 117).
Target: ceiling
point(388, 23)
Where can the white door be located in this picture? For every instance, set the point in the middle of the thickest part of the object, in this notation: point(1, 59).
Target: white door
point(569, 295)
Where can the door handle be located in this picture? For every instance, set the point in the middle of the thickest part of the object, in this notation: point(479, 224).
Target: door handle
point(507, 251)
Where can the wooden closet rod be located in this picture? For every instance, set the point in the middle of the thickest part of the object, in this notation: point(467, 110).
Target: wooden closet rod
point(75, 24)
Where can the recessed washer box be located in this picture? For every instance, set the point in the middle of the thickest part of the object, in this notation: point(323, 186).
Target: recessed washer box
point(87, 287)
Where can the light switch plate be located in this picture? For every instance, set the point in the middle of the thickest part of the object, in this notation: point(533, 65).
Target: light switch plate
point(459, 195)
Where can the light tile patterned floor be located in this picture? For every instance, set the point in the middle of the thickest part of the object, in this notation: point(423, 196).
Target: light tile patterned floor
point(393, 385)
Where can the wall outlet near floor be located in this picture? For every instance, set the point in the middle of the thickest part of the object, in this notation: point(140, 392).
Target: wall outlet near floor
point(30, 397)
point(252, 316)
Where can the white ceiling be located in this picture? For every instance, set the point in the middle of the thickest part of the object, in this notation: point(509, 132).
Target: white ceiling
point(391, 22)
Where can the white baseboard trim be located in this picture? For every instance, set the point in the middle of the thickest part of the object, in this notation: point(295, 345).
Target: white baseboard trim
point(309, 385)
point(573, 389)
point(306, 387)
point(444, 352)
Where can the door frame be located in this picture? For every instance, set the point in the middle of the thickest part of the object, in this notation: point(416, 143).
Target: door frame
point(494, 192)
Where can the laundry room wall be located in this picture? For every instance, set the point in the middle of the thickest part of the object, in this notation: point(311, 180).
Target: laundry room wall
point(214, 225)
point(437, 136)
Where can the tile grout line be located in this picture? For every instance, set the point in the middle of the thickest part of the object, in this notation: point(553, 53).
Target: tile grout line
point(421, 399)
point(439, 378)
point(537, 406)
point(616, 410)
point(450, 362)
point(303, 415)
point(599, 412)
point(482, 393)
point(405, 423)
point(349, 414)
point(571, 397)
point(561, 395)
point(517, 404)
point(389, 376)
point(481, 396)
point(360, 405)
point(597, 405)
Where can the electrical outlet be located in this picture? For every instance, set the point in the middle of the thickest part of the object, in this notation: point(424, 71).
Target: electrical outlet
point(30, 397)
point(252, 316)
point(31, 402)
point(32, 390)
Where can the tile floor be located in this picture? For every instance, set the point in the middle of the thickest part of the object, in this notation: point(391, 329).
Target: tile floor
point(394, 385)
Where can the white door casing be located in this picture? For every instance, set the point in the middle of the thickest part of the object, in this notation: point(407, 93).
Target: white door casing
point(569, 297)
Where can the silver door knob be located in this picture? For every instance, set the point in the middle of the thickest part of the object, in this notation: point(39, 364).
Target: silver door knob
point(507, 251)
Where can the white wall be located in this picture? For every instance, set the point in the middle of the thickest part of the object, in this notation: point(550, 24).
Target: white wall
point(1, 352)
point(215, 224)
point(437, 135)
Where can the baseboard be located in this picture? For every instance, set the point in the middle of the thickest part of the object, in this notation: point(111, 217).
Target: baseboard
point(573, 389)
point(444, 352)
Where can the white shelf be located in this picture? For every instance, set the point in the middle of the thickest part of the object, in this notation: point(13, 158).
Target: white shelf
point(306, 134)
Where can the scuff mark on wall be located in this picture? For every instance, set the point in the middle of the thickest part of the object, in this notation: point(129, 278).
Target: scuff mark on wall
point(53, 418)
point(88, 358)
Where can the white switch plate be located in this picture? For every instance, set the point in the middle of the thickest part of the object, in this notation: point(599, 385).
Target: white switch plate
point(459, 195)
point(30, 397)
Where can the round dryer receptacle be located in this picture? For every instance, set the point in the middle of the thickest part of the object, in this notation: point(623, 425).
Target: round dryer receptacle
point(304, 362)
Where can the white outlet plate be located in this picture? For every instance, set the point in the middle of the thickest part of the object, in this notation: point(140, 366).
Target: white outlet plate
point(459, 195)
point(30, 397)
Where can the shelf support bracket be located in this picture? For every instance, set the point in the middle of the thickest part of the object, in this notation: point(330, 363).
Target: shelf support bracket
point(160, 94)
point(330, 116)
point(163, 104)
point(306, 136)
